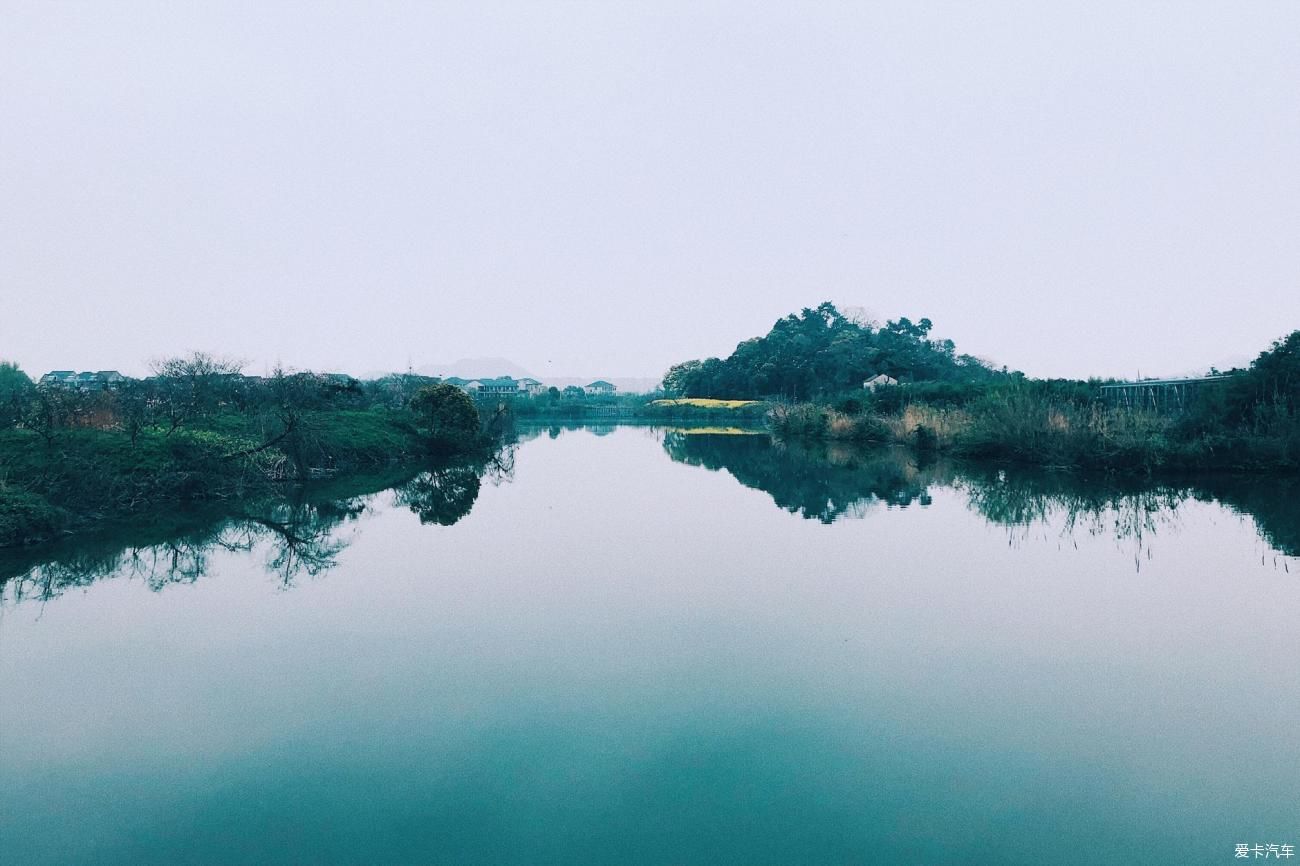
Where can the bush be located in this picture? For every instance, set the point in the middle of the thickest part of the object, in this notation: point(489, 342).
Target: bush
point(447, 418)
point(26, 518)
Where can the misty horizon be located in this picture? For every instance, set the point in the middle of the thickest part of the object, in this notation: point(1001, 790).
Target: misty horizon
point(1096, 190)
point(484, 366)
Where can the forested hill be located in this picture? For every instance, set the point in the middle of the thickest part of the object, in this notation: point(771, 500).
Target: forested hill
point(820, 351)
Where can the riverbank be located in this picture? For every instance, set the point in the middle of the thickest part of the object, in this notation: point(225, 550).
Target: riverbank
point(1035, 428)
point(81, 478)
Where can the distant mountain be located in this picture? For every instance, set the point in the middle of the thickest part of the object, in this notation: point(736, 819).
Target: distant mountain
point(476, 368)
point(491, 368)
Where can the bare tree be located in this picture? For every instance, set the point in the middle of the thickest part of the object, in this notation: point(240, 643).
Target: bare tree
point(193, 385)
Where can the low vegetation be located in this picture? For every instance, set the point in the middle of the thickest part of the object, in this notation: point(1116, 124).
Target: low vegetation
point(200, 432)
point(1249, 421)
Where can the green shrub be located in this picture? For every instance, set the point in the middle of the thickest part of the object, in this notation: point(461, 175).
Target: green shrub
point(26, 518)
point(447, 418)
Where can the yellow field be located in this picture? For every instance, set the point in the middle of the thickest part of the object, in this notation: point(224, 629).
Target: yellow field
point(717, 431)
point(706, 403)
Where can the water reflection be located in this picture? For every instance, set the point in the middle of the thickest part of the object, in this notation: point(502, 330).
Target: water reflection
point(819, 481)
point(303, 535)
point(301, 538)
point(300, 535)
point(655, 650)
point(445, 495)
point(828, 482)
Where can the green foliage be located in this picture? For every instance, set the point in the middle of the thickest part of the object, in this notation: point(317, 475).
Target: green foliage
point(1065, 423)
point(26, 517)
point(820, 352)
point(447, 418)
point(87, 474)
point(15, 391)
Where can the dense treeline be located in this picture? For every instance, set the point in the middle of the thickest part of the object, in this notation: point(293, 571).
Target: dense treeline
point(198, 430)
point(821, 351)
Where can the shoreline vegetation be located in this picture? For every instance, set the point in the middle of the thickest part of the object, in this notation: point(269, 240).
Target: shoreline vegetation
point(1031, 428)
point(828, 376)
point(199, 432)
point(200, 435)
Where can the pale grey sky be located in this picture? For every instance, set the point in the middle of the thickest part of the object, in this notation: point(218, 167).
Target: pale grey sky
point(607, 188)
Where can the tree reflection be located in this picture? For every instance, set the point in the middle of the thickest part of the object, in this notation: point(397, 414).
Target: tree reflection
point(300, 538)
point(442, 496)
point(301, 535)
point(819, 481)
point(830, 481)
point(1024, 499)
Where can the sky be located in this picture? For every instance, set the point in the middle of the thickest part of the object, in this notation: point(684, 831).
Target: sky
point(608, 188)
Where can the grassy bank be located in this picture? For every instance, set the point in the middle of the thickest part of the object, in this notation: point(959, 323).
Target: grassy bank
point(50, 486)
point(1034, 424)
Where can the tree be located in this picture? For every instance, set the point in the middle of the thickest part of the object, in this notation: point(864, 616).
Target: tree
point(53, 409)
point(447, 417)
point(133, 404)
point(1269, 391)
point(194, 385)
point(16, 391)
point(680, 377)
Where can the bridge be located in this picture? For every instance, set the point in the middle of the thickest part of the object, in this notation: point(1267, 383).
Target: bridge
point(1159, 395)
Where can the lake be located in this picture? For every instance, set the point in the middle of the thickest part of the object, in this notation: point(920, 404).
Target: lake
point(645, 645)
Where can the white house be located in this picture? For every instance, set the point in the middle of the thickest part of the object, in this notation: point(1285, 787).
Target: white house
point(879, 381)
point(600, 386)
point(531, 387)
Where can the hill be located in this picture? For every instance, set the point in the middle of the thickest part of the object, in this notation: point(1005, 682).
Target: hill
point(821, 351)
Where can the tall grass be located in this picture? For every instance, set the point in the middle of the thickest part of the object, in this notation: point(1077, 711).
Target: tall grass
point(1049, 426)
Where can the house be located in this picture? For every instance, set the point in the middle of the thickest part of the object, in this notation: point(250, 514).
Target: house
point(600, 386)
point(501, 386)
point(531, 387)
point(85, 381)
point(879, 381)
point(58, 378)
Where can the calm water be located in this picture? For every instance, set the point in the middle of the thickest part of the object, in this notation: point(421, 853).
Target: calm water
point(635, 645)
